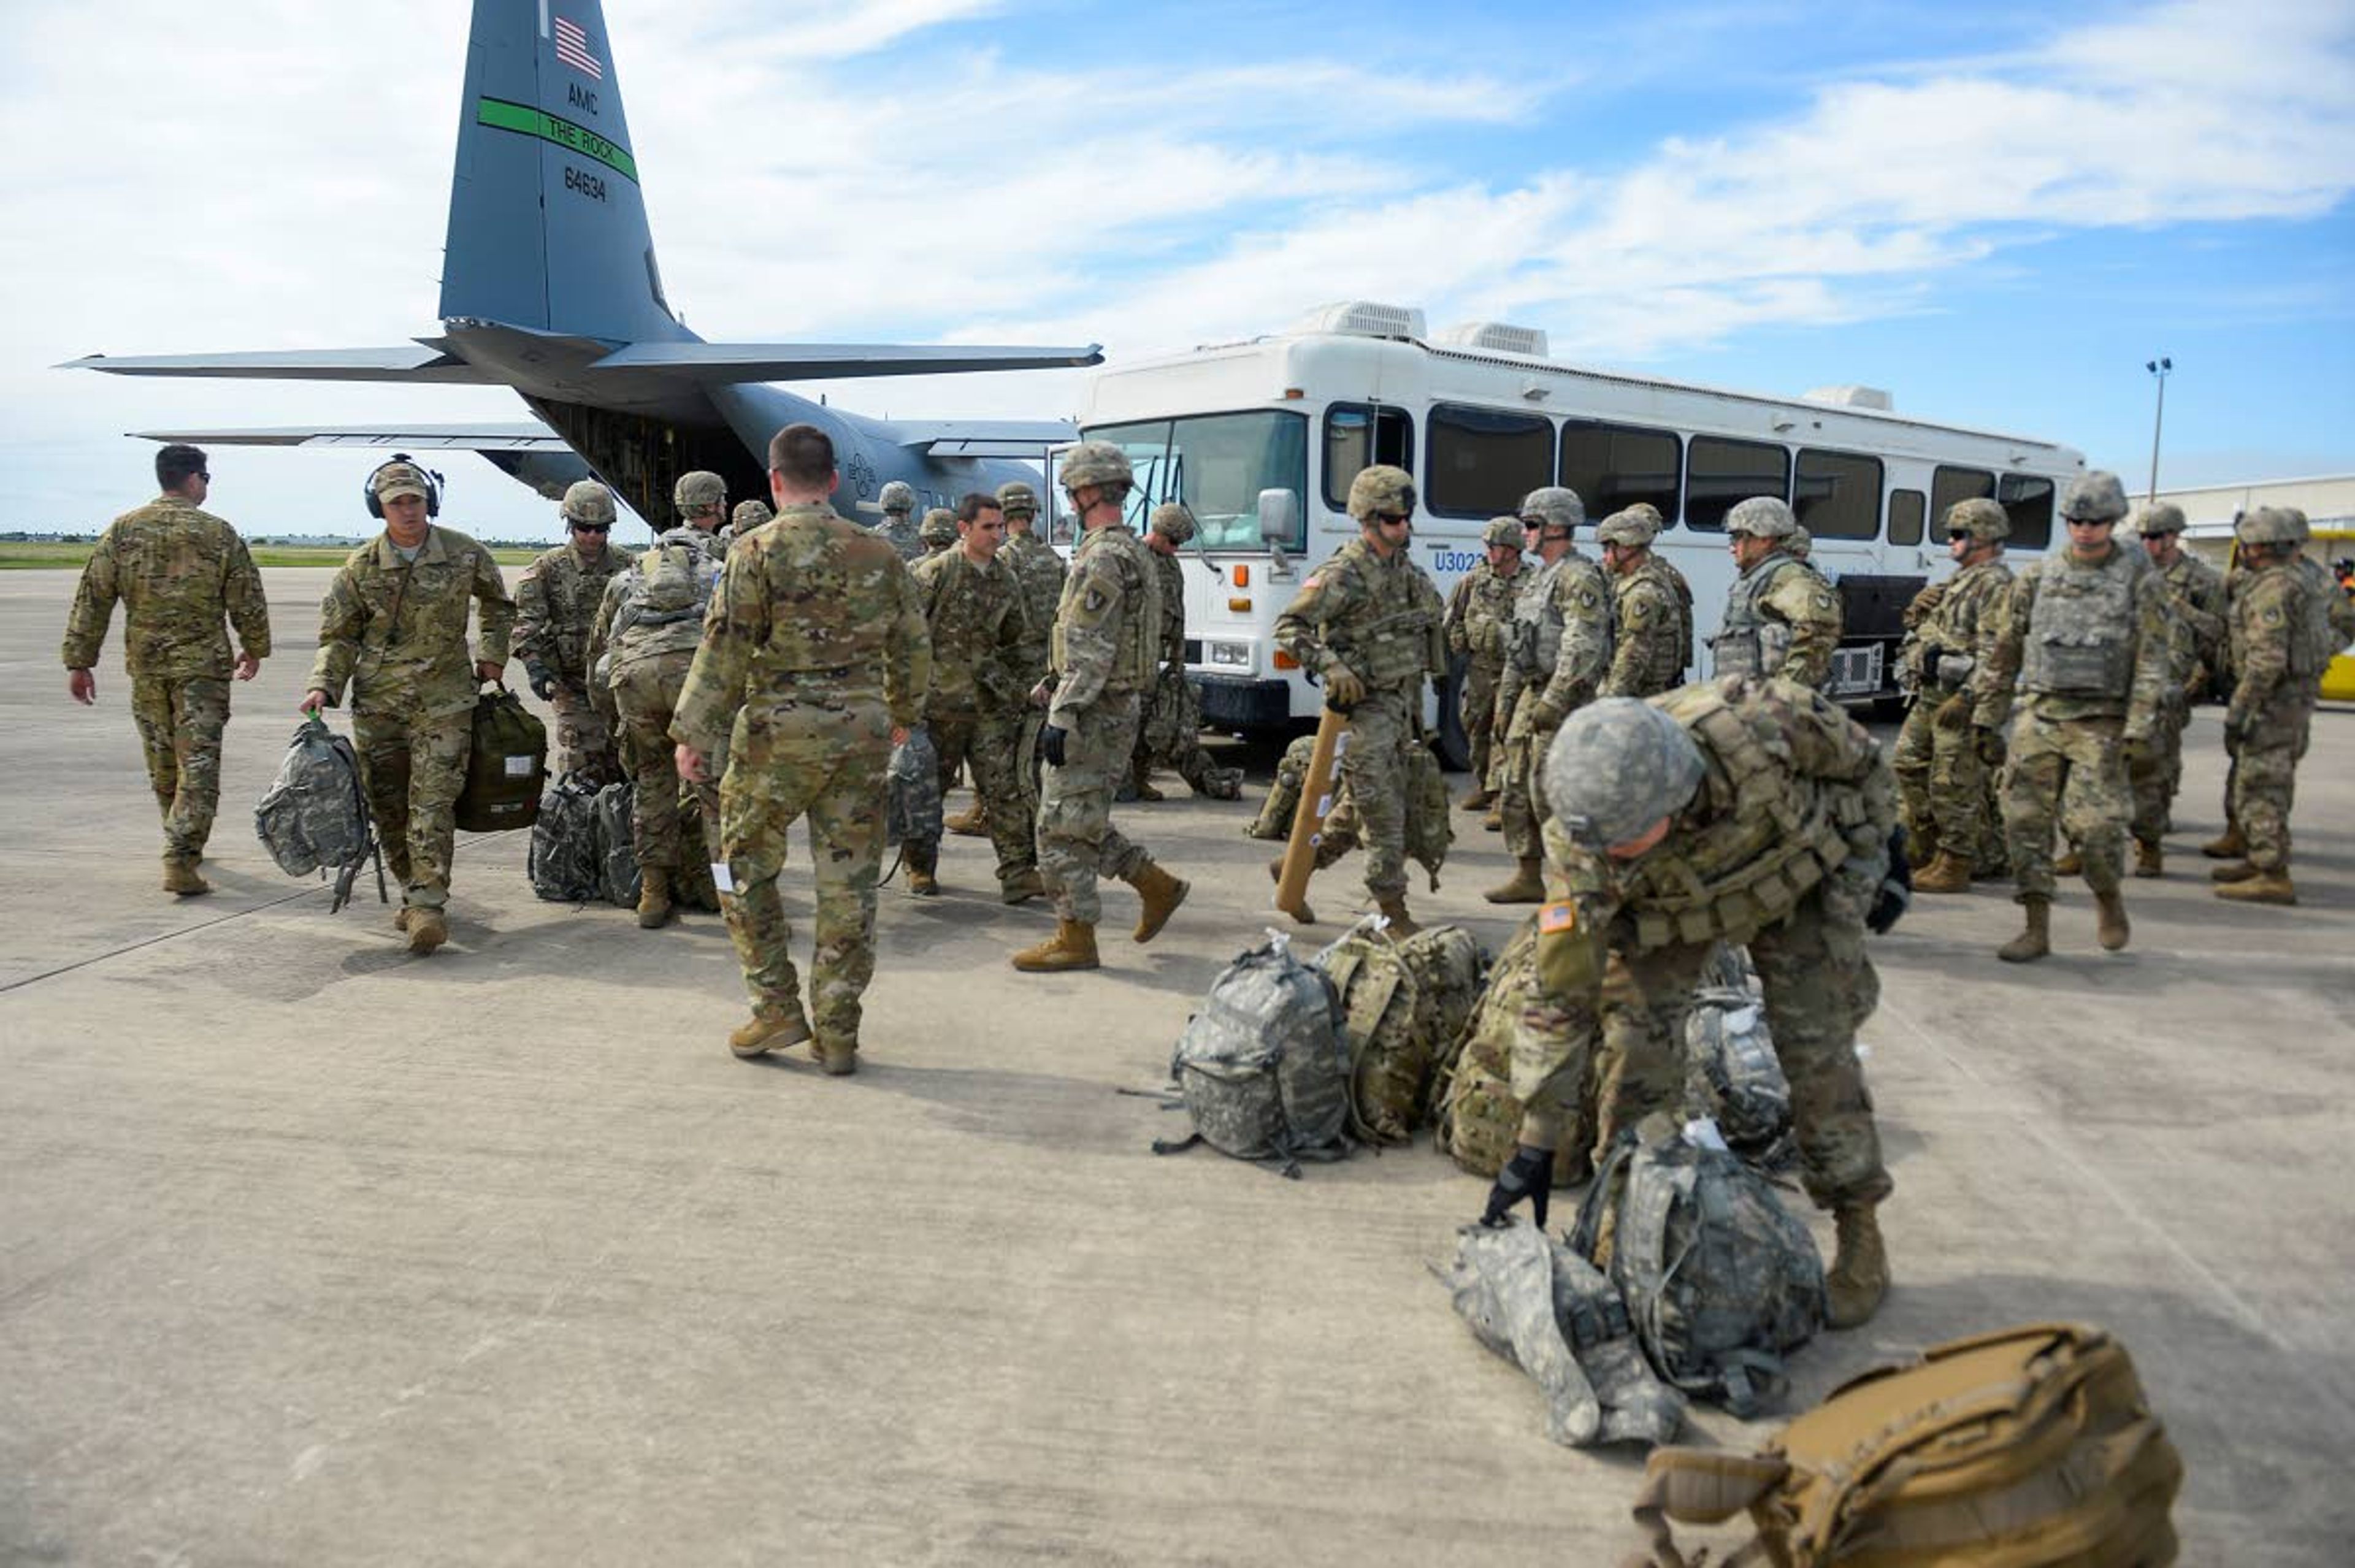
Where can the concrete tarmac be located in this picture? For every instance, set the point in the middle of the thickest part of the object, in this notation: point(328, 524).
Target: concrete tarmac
point(313, 1253)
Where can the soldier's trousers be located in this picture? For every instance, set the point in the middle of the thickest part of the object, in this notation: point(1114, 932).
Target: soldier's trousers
point(1819, 986)
point(2156, 772)
point(413, 769)
point(839, 781)
point(585, 742)
point(1910, 759)
point(1478, 705)
point(2071, 770)
point(1373, 770)
point(986, 743)
point(1077, 841)
point(2265, 781)
point(181, 721)
point(1169, 735)
point(1522, 803)
point(646, 693)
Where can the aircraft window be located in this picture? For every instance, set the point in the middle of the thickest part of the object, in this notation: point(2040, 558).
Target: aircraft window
point(1483, 461)
point(1838, 495)
point(1356, 438)
point(1217, 464)
point(1905, 516)
point(1719, 471)
point(1948, 486)
point(1612, 466)
point(2028, 501)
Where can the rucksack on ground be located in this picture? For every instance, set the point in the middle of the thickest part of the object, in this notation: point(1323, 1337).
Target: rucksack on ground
point(1274, 819)
point(315, 814)
point(1263, 1068)
point(1404, 1004)
point(1476, 1122)
point(617, 846)
point(912, 813)
point(506, 766)
point(564, 865)
point(692, 885)
point(2027, 1447)
point(1721, 1280)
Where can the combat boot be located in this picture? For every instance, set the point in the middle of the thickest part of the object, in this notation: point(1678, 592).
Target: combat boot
point(771, 1029)
point(1947, 872)
point(1161, 894)
point(427, 930)
point(654, 897)
point(1480, 799)
point(2227, 845)
point(400, 920)
point(1024, 888)
point(2151, 859)
point(2110, 920)
point(973, 822)
point(180, 877)
point(922, 884)
point(1494, 822)
point(2035, 939)
point(2260, 888)
point(1525, 887)
point(1074, 946)
point(1147, 792)
point(2070, 863)
point(837, 1058)
point(2231, 871)
point(1393, 909)
point(1858, 1276)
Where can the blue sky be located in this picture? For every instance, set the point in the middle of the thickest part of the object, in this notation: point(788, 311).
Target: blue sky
point(1998, 214)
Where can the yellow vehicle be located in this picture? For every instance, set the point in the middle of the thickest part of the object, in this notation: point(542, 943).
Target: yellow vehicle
point(2331, 546)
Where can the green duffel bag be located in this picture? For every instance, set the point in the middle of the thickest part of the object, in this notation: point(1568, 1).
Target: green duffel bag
point(507, 768)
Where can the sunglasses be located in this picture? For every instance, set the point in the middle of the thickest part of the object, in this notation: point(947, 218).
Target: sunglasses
point(593, 527)
point(1393, 516)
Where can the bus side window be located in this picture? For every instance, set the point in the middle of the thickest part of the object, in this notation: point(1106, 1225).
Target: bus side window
point(1483, 461)
point(1612, 466)
point(1720, 472)
point(2028, 501)
point(1838, 495)
point(1357, 437)
point(1948, 486)
point(1905, 508)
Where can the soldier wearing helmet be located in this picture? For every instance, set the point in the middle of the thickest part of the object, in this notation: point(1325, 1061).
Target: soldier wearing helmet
point(2083, 637)
point(556, 615)
point(1367, 622)
point(1170, 734)
point(1945, 764)
point(938, 532)
point(748, 516)
point(1557, 656)
point(1651, 605)
point(2282, 641)
point(1105, 653)
point(1478, 624)
point(2195, 615)
point(1781, 617)
point(1741, 811)
point(899, 502)
point(1038, 572)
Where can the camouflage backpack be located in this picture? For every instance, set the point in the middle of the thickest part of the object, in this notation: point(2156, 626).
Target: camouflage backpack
point(617, 846)
point(564, 865)
point(1264, 1069)
point(1429, 825)
point(1721, 1280)
point(315, 816)
point(1477, 1120)
point(913, 815)
point(1404, 1004)
point(1275, 818)
point(674, 581)
point(1732, 1073)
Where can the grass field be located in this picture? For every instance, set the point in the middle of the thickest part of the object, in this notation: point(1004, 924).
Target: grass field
point(20, 556)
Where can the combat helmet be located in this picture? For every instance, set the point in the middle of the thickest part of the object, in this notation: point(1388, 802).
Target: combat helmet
point(1557, 505)
point(586, 501)
point(1979, 517)
point(1097, 462)
point(1173, 522)
point(2094, 497)
point(2268, 526)
point(2165, 518)
point(1017, 500)
point(1636, 525)
point(939, 526)
point(1761, 517)
point(1384, 489)
point(698, 491)
point(1503, 530)
point(898, 497)
point(1615, 767)
point(750, 514)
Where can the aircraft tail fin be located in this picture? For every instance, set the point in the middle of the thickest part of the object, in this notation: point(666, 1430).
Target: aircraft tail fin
point(548, 226)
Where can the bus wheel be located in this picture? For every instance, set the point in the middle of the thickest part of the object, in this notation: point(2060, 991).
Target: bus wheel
point(1455, 745)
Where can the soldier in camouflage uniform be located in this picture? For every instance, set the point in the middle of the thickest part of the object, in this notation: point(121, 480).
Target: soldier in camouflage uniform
point(393, 626)
point(179, 571)
point(645, 650)
point(2196, 629)
point(1478, 623)
point(814, 665)
point(1170, 735)
point(899, 525)
point(974, 609)
point(1947, 764)
point(748, 516)
point(1039, 571)
point(2084, 635)
point(556, 613)
point(1652, 608)
point(1368, 621)
point(1781, 617)
point(1560, 652)
point(2282, 641)
point(938, 532)
point(1105, 650)
point(1744, 811)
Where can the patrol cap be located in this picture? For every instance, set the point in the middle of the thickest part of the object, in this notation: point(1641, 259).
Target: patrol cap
point(586, 501)
point(1096, 462)
point(699, 488)
point(1980, 518)
point(1173, 522)
point(939, 526)
point(750, 514)
point(1384, 489)
point(1762, 516)
point(2094, 497)
point(1637, 525)
point(1558, 506)
point(2267, 524)
point(1615, 767)
point(401, 479)
point(899, 496)
point(1017, 500)
point(2166, 517)
point(1503, 530)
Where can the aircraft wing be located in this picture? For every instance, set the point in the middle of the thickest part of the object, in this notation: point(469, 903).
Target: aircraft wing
point(519, 435)
point(983, 438)
point(722, 363)
point(422, 361)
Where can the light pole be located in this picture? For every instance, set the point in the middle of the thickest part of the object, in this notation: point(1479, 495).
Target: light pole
point(2159, 369)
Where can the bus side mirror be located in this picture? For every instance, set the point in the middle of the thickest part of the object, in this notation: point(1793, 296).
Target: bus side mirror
point(1279, 516)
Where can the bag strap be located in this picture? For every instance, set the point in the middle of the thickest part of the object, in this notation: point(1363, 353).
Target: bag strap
point(1695, 1486)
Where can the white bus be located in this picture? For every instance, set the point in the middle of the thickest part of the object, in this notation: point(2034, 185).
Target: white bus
point(1261, 439)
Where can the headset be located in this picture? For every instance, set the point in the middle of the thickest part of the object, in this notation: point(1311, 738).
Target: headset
point(433, 486)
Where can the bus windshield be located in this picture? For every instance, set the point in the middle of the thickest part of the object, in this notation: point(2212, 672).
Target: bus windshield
point(1217, 464)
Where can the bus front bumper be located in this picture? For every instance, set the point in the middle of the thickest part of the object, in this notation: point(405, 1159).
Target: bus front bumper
point(1232, 704)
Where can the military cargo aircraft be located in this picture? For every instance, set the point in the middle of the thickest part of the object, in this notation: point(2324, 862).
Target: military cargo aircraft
point(550, 286)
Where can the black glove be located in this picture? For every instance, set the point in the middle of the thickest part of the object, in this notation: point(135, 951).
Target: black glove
point(1930, 657)
point(1896, 892)
point(1528, 1174)
point(542, 678)
point(1050, 744)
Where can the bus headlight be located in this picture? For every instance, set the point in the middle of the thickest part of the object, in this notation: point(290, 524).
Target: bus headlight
point(1236, 655)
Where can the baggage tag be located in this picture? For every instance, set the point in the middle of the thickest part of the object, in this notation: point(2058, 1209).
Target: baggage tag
point(721, 877)
point(519, 767)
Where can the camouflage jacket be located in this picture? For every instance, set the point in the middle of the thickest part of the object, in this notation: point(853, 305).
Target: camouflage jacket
point(397, 630)
point(1041, 571)
point(2273, 650)
point(978, 626)
point(179, 572)
point(900, 531)
point(1652, 644)
point(557, 599)
point(2142, 638)
point(1961, 626)
point(1108, 625)
point(2197, 614)
point(1784, 602)
point(815, 632)
point(1381, 618)
point(1560, 636)
point(1480, 614)
point(620, 640)
point(1172, 574)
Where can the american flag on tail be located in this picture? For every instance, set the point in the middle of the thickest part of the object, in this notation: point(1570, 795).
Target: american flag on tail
point(572, 48)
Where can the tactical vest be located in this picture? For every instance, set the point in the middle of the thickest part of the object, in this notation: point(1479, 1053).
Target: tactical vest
point(1136, 659)
point(1535, 645)
point(1748, 642)
point(1397, 641)
point(2080, 630)
point(1667, 660)
point(1775, 836)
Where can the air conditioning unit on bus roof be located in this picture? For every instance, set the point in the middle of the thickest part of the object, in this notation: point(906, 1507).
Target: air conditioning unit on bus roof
point(1498, 336)
point(1853, 397)
point(1362, 318)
